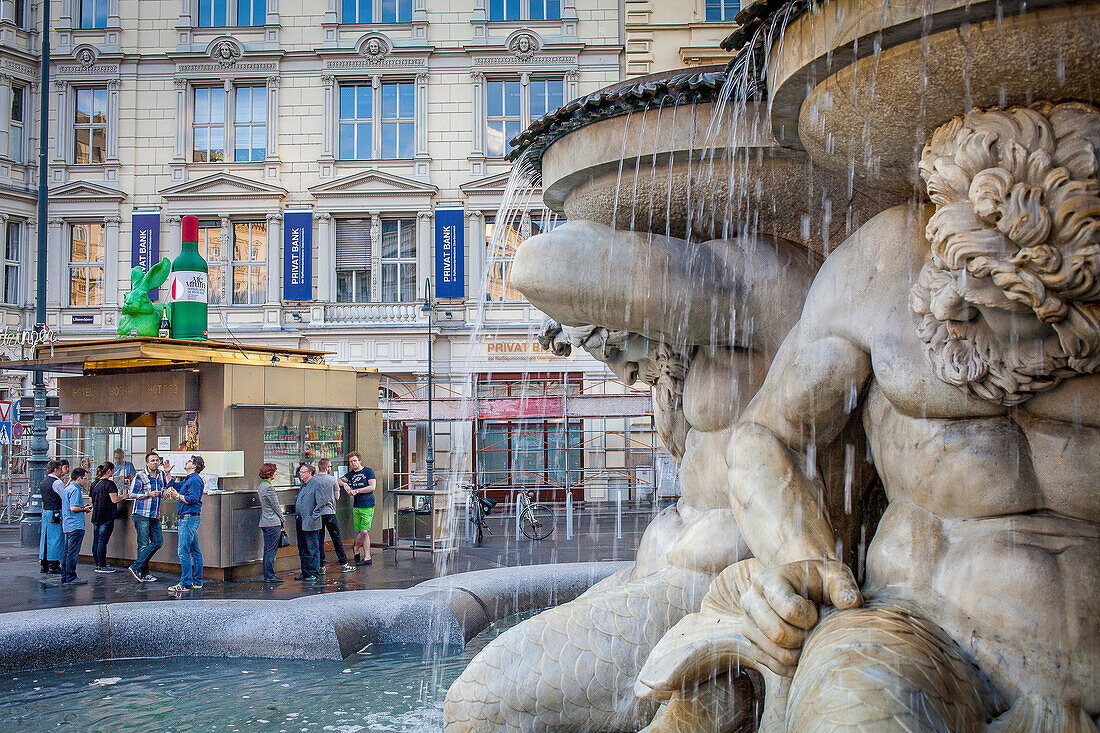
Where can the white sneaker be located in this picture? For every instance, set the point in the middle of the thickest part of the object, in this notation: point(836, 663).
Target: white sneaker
point(105, 569)
point(148, 578)
point(347, 568)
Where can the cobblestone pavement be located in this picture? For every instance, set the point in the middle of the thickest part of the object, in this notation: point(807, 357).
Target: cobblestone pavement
point(23, 588)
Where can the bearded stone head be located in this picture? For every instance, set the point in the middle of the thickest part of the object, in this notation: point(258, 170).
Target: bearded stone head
point(1009, 303)
point(374, 47)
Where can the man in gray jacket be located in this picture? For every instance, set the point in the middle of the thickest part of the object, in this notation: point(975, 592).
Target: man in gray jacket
point(308, 523)
point(328, 490)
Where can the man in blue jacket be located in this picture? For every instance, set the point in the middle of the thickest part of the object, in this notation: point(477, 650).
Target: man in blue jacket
point(188, 508)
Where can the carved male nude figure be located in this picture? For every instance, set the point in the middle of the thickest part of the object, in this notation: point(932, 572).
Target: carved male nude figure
point(969, 337)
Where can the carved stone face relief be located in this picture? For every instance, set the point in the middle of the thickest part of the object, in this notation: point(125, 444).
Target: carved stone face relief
point(1011, 260)
point(226, 54)
point(524, 46)
point(86, 58)
point(375, 50)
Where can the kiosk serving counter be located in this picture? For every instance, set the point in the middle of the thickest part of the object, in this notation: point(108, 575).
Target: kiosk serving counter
point(238, 407)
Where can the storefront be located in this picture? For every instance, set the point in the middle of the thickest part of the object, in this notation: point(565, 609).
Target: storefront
point(237, 406)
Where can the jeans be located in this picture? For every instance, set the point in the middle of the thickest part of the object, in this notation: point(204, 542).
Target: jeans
point(101, 535)
point(73, 541)
point(190, 557)
point(271, 546)
point(328, 521)
point(49, 545)
point(149, 540)
point(307, 549)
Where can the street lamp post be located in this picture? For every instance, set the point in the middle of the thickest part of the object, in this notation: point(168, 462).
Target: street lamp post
point(429, 461)
point(30, 528)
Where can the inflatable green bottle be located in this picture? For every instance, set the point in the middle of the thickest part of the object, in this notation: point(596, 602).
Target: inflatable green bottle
point(187, 292)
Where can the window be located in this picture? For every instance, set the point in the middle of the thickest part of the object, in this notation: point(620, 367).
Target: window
point(86, 258)
point(18, 12)
point(250, 124)
point(390, 11)
point(398, 260)
point(508, 110)
point(398, 120)
point(12, 247)
point(501, 253)
point(220, 13)
point(16, 129)
point(722, 10)
point(90, 127)
point(353, 260)
point(209, 125)
point(251, 12)
point(249, 263)
point(211, 249)
point(524, 9)
point(93, 13)
point(248, 129)
point(397, 124)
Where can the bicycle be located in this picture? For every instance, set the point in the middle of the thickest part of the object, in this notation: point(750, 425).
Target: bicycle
point(536, 521)
point(14, 505)
point(480, 506)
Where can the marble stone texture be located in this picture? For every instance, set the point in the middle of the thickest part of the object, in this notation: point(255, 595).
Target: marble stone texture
point(447, 611)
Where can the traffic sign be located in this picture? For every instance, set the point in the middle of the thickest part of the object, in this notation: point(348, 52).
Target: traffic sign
point(17, 430)
point(5, 433)
point(5, 411)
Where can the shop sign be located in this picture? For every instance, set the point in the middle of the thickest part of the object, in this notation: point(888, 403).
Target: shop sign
point(450, 281)
point(298, 254)
point(145, 243)
point(85, 320)
point(516, 350)
point(135, 392)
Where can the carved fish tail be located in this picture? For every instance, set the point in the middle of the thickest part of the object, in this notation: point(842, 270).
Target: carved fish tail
point(573, 667)
point(1035, 713)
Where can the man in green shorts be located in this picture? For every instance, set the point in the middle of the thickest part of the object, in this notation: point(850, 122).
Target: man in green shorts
point(359, 483)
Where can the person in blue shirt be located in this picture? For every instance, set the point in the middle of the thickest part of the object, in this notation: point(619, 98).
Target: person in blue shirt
point(188, 508)
point(72, 524)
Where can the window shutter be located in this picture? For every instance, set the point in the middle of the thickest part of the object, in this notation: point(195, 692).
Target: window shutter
point(353, 244)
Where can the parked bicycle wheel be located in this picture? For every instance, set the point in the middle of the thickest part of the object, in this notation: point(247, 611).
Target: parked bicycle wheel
point(537, 521)
point(477, 517)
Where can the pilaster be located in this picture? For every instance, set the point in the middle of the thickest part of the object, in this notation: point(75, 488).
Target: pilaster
point(326, 258)
point(274, 259)
point(424, 249)
point(110, 259)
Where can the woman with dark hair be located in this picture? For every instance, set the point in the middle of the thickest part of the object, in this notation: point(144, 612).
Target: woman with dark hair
point(188, 508)
point(271, 521)
point(105, 496)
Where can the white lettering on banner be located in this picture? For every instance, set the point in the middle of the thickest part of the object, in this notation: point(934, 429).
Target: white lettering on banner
point(448, 254)
point(296, 256)
point(187, 286)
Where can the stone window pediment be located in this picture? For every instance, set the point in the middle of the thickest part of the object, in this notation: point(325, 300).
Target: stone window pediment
point(223, 192)
point(85, 192)
point(375, 190)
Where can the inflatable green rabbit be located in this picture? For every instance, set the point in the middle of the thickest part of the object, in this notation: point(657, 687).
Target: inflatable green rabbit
point(139, 313)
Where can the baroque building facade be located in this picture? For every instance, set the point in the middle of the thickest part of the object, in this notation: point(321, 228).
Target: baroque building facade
point(373, 119)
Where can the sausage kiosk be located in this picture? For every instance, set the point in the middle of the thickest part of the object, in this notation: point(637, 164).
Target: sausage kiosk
point(238, 406)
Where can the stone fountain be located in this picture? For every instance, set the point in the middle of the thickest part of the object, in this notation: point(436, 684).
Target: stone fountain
point(860, 268)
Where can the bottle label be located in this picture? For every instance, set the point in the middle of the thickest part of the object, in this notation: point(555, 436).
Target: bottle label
point(187, 286)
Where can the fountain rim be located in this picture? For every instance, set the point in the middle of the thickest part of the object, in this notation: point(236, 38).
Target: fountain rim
point(674, 87)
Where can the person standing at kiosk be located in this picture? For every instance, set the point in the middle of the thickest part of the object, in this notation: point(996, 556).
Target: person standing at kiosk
point(359, 482)
point(148, 484)
point(308, 523)
point(51, 490)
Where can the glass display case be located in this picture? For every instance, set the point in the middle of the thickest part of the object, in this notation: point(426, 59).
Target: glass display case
point(293, 436)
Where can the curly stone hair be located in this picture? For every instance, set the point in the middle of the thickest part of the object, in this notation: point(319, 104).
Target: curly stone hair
point(1017, 199)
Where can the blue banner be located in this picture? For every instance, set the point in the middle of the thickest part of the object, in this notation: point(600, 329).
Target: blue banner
point(145, 247)
point(449, 254)
point(298, 255)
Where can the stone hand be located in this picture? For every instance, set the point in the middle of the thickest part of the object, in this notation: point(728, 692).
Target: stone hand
point(781, 601)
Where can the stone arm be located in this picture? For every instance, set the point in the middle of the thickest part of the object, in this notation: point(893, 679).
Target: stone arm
point(776, 491)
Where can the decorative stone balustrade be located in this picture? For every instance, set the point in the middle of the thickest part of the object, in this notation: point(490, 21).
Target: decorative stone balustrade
point(374, 313)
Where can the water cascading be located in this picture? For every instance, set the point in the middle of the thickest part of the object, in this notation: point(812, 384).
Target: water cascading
point(857, 267)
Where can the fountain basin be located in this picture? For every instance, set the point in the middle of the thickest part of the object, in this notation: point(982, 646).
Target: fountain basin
point(446, 611)
point(666, 168)
point(853, 109)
